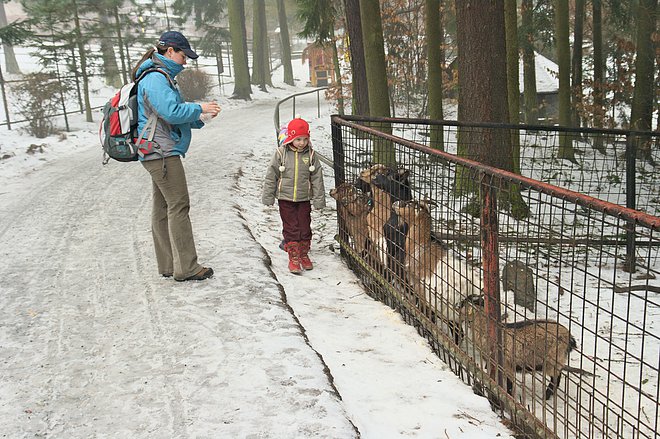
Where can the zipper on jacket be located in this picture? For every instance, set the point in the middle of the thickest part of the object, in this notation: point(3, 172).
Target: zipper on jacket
point(295, 177)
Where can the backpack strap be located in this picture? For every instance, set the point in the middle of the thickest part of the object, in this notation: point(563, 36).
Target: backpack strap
point(153, 117)
point(156, 69)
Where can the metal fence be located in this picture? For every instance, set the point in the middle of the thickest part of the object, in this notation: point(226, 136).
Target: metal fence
point(615, 165)
point(540, 313)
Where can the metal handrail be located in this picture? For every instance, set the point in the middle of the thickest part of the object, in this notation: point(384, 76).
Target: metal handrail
point(276, 116)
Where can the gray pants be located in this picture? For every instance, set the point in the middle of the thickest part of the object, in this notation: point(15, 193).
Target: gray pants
point(170, 222)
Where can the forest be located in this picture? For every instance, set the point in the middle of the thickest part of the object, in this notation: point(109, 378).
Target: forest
point(389, 58)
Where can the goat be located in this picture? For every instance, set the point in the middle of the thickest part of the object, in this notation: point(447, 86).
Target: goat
point(386, 185)
point(353, 207)
point(528, 345)
point(440, 281)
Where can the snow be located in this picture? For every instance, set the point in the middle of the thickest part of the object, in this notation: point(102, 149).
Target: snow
point(547, 74)
point(95, 344)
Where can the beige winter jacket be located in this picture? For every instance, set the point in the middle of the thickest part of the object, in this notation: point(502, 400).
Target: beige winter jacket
point(290, 178)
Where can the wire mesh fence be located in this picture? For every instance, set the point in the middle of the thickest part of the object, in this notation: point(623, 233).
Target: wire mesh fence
point(607, 164)
point(554, 315)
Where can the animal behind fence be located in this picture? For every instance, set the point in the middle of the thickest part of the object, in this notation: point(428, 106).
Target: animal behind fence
point(528, 345)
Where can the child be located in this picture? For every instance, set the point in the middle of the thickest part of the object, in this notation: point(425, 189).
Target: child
point(295, 178)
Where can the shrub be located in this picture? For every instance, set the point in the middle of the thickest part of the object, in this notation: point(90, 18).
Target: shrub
point(194, 84)
point(38, 100)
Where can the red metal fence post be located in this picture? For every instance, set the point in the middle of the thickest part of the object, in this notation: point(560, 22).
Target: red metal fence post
point(490, 257)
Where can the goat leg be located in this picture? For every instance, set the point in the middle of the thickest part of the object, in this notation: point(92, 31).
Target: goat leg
point(552, 385)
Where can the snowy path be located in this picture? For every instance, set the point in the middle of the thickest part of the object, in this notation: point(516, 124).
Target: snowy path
point(94, 344)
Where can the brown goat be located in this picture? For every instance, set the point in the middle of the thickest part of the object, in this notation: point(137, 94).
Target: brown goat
point(353, 207)
point(529, 345)
point(380, 211)
point(439, 280)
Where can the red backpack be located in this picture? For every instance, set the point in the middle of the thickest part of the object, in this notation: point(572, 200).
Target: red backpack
point(118, 130)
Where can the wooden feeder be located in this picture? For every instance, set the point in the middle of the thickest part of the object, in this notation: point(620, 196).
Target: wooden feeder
point(321, 67)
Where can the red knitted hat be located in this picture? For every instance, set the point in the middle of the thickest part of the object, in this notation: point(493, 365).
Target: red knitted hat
point(296, 128)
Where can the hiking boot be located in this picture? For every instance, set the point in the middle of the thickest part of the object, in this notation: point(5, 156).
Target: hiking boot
point(305, 262)
point(204, 273)
point(292, 248)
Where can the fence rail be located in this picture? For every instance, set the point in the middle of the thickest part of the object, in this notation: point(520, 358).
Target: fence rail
point(566, 299)
point(292, 99)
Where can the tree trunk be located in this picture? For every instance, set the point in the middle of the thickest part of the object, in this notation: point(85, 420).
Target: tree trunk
point(576, 68)
point(529, 62)
point(125, 62)
point(599, 69)
point(374, 54)
point(641, 114)
point(108, 51)
point(285, 43)
point(260, 69)
point(10, 57)
point(513, 76)
point(434, 41)
point(482, 82)
point(83, 63)
point(642, 104)
point(337, 67)
point(360, 91)
point(512, 198)
point(242, 88)
point(564, 61)
point(512, 60)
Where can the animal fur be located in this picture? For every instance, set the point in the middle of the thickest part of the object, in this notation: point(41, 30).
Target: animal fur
point(529, 345)
point(353, 207)
point(386, 185)
point(440, 281)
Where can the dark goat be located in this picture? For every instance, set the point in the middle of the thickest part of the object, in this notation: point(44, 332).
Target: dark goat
point(395, 183)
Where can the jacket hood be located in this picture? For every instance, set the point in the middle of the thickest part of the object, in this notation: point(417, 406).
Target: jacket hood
point(171, 67)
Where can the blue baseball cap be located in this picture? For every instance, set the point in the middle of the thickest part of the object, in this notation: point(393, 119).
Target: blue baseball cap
point(178, 41)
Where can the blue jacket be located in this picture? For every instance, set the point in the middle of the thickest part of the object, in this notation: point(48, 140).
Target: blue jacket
point(175, 116)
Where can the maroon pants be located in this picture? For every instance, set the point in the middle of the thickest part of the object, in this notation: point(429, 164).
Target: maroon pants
point(296, 220)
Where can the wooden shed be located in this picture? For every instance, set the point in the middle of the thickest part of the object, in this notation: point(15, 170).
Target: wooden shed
point(321, 67)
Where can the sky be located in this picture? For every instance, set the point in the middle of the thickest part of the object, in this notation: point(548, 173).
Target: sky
point(94, 344)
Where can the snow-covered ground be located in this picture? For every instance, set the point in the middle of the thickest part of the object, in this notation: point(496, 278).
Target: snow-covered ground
point(94, 344)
